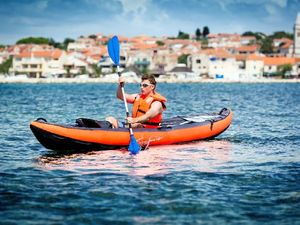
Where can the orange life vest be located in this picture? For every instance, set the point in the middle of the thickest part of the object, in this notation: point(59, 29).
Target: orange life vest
point(142, 105)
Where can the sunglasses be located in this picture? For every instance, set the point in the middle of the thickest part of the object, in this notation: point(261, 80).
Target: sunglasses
point(144, 85)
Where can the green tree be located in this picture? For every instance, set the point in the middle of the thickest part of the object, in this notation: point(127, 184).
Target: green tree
point(183, 59)
point(97, 70)
point(83, 70)
point(198, 34)
point(258, 35)
point(2, 46)
point(4, 67)
point(160, 43)
point(93, 36)
point(267, 46)
point(248, 33)
point(205, 31)
point(182, 35)
point(281, 34)
point(204, 43)
point(284, 68)
point(145, 70)
point(66, 42)
point(68, 74)
point(33, 40)
point(55, 44)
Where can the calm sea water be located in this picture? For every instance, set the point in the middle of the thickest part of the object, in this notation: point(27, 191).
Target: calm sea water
point(248, 175)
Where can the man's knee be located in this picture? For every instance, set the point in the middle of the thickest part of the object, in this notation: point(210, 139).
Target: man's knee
point(113, 121)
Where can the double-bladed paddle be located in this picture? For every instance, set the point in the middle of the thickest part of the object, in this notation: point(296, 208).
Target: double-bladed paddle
point(114, 53)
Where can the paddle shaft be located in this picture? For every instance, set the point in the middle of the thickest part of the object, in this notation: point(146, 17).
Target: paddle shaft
point(124, 99)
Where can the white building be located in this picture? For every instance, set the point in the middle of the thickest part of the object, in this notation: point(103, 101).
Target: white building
point(248, 40)
point(3, 55)
point(199, 63)
point(272, 65)
point(216, 67)
point(297, 37)
point(181, 71)
point(81, 44)
point(220, 65)
point(223, 68)
point(38, 63)
point(224, 40)
point(254, 67)
point(140, 59)
point(75, 63)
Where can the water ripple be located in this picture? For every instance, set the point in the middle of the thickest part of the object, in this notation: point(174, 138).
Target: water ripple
point(248, 175)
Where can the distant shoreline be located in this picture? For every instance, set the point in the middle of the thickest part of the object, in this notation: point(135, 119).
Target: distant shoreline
point(11, 80)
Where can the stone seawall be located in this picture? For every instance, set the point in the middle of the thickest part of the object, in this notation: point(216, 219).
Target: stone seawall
point(137, 80)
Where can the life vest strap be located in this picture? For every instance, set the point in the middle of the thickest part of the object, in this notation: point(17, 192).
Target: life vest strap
point(142, 111)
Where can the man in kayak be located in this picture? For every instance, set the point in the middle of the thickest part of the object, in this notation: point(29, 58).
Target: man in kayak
point(148, 105)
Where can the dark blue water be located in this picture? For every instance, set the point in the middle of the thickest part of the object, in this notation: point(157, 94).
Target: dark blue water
point(248, 175)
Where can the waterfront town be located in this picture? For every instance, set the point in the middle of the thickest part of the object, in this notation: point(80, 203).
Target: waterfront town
point(221, 57)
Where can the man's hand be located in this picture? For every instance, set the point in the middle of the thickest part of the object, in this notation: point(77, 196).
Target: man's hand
point(130, 120)
point(121, 81)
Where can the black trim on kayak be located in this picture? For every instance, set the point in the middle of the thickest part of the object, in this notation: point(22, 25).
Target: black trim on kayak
point(67, 145)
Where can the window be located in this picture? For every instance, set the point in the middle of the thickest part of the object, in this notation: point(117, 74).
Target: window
point(298, 34)
point(198, 61)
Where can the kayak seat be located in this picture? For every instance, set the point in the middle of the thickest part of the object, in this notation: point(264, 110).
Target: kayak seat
point(90, 123)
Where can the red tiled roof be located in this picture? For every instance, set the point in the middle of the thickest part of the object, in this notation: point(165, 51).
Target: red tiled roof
point(240, 57)
point(287, 44)
point(248, 48)
point(141, 46)
point(278, 61)
point(218, 52)
point(255, 57)
point(41, 54)
point(281, 40)
point(143, 38)
point(248, 37)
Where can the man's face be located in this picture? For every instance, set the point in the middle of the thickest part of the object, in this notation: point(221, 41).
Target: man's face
point(146, 87)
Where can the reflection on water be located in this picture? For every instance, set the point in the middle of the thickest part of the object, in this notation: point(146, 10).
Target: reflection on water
point(197, 156)
point(248, 175)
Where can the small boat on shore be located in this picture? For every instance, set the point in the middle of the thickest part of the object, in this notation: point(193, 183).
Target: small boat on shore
point(90, 135)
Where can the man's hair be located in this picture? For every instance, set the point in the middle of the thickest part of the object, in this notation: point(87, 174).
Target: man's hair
point(149, 77)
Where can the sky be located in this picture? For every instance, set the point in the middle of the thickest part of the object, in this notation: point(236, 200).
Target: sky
point(60, 19)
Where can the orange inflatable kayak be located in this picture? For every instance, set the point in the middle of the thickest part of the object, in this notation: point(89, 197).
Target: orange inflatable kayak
point(88, 134)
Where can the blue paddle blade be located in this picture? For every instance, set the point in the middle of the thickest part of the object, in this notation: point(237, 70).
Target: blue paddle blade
point(133, 147)
point(113, 48)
